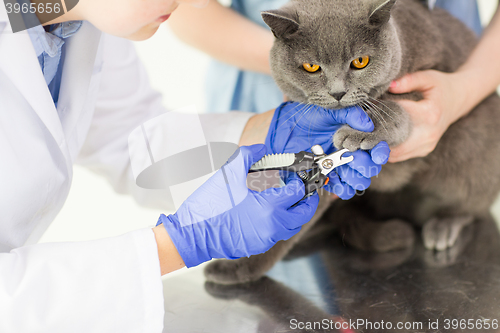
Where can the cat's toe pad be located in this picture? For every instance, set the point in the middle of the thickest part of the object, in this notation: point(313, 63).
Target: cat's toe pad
point(442, 233)
point(352, 139)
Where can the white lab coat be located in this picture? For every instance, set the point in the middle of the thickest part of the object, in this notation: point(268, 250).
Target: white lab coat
point(110, 285)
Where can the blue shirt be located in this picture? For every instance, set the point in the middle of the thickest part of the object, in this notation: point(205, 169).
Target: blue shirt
point(49, 48)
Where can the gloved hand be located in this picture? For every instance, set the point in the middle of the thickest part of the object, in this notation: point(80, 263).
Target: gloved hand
point(224, 219)
point(296, 127)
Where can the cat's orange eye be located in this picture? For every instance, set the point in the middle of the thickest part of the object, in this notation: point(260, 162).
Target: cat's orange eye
point(361, 62)
point(311, 68)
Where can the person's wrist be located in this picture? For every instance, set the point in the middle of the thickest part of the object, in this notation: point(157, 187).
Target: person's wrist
point(168, 256)
point(190, 244)
point(470, 91)
point(256, 129)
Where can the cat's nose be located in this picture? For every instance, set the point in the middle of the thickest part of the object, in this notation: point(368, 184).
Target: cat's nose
point(338, 96)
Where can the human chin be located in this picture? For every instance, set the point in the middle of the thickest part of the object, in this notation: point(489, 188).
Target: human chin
point(143, 33)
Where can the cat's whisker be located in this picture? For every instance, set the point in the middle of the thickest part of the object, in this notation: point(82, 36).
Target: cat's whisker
point(309, 131)
point(380, 109)
point(303, 106)
point(377, 115)
point(382, 103)
point(310, 107)
point(386, 113)
point(380, 119)
point(363, 106)
point(304, 110)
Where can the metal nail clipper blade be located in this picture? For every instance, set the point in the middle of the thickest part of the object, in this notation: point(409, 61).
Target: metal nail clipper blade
point(330, 162)
point(312, 168)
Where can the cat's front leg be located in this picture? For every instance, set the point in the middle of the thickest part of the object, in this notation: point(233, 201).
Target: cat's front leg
point(254, 267)
point(392, 125)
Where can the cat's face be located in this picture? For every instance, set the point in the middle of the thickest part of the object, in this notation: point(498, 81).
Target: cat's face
point(334, 53)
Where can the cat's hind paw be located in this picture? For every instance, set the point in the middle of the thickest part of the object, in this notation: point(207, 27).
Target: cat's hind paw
point(442, 233)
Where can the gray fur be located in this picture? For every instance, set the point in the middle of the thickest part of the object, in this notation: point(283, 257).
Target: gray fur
point(442, 192)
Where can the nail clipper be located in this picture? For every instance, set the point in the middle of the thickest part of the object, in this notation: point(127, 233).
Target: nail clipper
point(313, 168)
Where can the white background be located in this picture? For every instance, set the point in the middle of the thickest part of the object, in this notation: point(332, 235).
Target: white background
point(93, 210)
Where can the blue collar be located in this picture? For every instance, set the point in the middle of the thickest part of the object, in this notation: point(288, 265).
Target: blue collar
point(51, 42)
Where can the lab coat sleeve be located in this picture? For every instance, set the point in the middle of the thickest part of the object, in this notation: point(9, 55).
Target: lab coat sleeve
point(109, 285)
point(125, 101)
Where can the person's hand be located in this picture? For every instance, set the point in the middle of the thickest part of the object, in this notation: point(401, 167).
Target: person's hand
point(442, 104)
point(224, 219)
point(297, 127)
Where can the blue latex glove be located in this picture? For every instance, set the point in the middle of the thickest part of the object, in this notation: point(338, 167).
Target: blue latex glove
point(296, 127)
point(224, 219)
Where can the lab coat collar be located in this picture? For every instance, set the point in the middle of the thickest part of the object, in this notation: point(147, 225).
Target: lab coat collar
point(19, 62)
point(80, 59)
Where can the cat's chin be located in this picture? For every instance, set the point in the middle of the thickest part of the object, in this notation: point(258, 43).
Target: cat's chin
point(333, 106)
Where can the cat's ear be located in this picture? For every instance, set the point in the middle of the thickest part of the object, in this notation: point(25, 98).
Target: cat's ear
point(282, 24)
point(381, 12)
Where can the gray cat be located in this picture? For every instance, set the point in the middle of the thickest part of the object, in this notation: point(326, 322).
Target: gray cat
point(338, 53)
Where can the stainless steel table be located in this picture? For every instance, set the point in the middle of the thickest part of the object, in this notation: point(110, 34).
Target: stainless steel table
point(326, 285)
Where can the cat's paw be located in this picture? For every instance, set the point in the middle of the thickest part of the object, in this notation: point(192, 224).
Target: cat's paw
point(243, 291)
point(442, 233)
point(393, 235)
point(385, 236)
point(223, 291)
point(452, 254)
point(230, 271)
point(372, 261)
point(352, 139)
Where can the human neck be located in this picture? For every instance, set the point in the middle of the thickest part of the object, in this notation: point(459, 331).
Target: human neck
point(73, 15)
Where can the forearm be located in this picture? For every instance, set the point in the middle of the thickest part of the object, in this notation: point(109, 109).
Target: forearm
point(254, 132)
point(225, 35)
point(170, 259)
point(481, 72)
point(256, 129)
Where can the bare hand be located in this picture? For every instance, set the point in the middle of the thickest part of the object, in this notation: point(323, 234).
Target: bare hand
point(442, 104)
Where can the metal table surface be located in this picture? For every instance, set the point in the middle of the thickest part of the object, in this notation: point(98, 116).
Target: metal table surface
point(331, 286)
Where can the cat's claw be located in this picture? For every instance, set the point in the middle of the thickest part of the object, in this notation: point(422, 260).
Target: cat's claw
point(442, 233)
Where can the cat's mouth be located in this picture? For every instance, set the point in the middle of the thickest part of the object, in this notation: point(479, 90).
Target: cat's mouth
point(366, 100)
point(330, 103)
point(374, 107)
point(337, 100)
point(327, 102)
